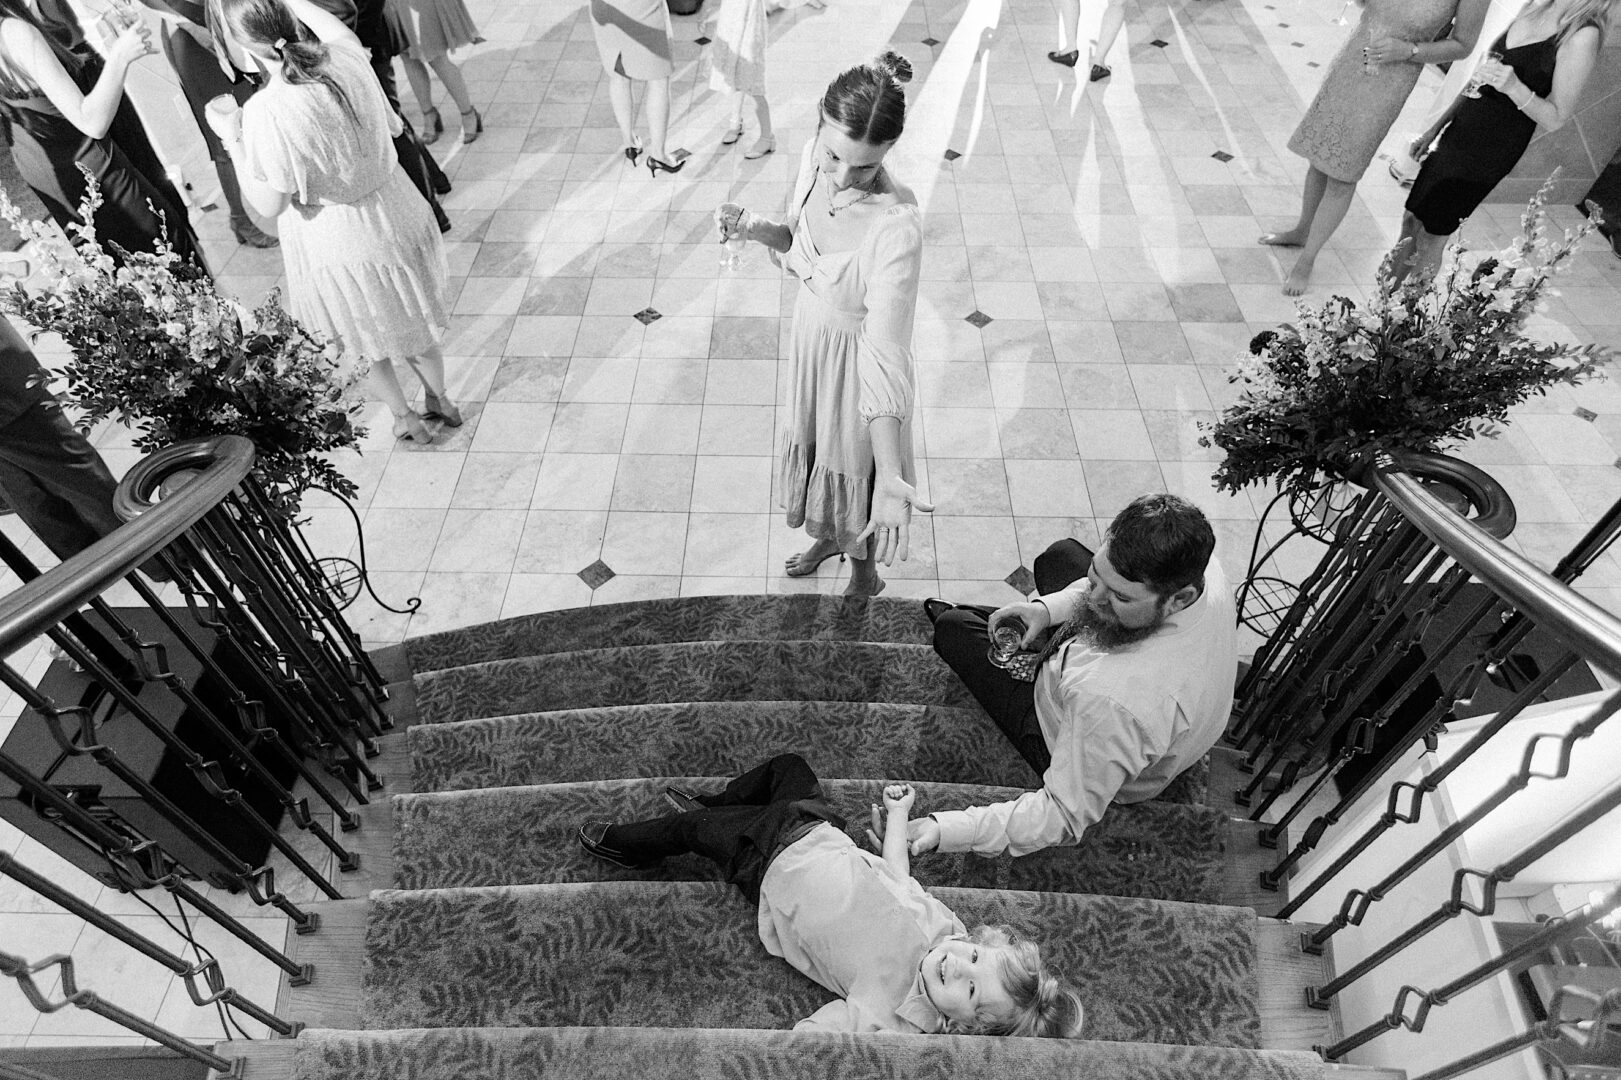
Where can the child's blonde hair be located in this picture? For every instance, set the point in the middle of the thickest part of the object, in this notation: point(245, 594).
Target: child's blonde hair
point(1042, 1005)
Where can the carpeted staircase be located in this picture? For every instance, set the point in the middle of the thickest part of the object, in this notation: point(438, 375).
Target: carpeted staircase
point(491, 946)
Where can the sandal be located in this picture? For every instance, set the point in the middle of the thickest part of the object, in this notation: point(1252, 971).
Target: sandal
point(802, 570)
point(435, 407)
point(433, 126)
point(471, 134)
point(408, 427)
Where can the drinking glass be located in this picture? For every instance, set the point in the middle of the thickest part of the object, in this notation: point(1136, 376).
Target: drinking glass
point(734, 243)
point(1376, 30)
point(1473, 88)
point(1006, 641)
point(120, 16)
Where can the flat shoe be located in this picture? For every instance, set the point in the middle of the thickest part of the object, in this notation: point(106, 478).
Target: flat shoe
point(1068, 59)
point(682, 802)
point(731, 135)
point(761, 148)
point(591, 835)
point(1099, 72)
point(807, 571)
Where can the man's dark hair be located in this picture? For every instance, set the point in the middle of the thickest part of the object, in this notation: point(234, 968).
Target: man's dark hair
point(1162, 541)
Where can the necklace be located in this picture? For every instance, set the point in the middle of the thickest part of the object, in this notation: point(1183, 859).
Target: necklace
point(833, 211)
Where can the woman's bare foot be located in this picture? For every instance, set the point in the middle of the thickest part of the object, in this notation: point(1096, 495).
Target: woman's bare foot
point(1288, 238)
point(805, 563)
point(1300, 277)
point(864, 586)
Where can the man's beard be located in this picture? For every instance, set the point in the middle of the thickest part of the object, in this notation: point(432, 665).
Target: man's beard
point(1103, 631)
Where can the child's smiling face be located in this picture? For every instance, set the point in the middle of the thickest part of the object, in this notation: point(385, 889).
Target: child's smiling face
point(964, 980)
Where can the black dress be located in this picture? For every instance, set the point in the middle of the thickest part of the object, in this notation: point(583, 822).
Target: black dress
point(1482, 144)
point(49, 149)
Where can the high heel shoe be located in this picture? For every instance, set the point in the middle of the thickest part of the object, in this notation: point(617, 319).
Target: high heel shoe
point(408, 427)
point(435, 407)
point(655, 166)
point(471, 134)
point(433, 126)
point(633, 151)
point(800, 569)
point(250, 235)
point(760, 149)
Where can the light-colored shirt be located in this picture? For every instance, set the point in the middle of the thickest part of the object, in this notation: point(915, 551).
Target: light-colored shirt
point(1120, 724)
point(843, 917)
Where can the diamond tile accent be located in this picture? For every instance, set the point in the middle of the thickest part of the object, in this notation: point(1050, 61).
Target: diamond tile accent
point(931, 42)
point(1283, 26)
point(952, 155)
point(1313, 63)
point(647, 315)
point(1222, 156)
point(978, 318)
point(1023, 580)
point(702, 40)
point(1298, 44)
point(1586, 414)
point(1159, 43)
point(597, 574)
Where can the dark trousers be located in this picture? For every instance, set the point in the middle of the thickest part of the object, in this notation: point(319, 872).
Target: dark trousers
point(55, 480)
point(740, 828)
point(1606, 192)
point(963, 642)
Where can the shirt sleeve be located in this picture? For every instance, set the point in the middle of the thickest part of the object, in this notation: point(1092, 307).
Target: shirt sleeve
point(884, 345)
point(1100, 745)
point(1061, 605)
point(836, 1015)
point(266, 153)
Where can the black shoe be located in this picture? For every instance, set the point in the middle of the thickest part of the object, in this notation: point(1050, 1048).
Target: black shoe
point(1099, 72)
point(591, 834)
point(1615, 243)
point(936, 608)
point(683, 802)
point(1068, 59)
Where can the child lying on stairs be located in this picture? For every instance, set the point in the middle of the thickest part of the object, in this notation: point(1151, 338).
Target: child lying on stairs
point(861, 926)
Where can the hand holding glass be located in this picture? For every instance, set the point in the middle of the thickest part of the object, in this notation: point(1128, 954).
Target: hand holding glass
point(1484, 74)
point(1376, 34)
point(1006, 640)
point(733, 222)
point(224, 116)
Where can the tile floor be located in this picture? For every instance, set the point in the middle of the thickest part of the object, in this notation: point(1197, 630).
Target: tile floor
point(1100, 227)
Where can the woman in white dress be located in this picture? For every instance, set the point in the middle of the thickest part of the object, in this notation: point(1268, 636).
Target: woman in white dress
point(313, 149)
point(737, 67)
point(854, 238)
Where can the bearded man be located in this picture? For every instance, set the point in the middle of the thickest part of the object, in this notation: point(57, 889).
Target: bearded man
point(1132, 685)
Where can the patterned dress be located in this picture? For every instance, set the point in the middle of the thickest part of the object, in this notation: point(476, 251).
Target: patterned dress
point(1353, 110)
point(850, 356)
point(365, 263)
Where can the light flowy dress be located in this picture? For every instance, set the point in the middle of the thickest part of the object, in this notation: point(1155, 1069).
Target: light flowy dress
point(737, 53)
point(365, 262)
point(431, 28)
point(850, 360)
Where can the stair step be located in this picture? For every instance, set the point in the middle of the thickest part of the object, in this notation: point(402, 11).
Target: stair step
point(724, 738)
point(685, 1053)
point(691, 671)
point(687, 618)
point(526, 835)
point(687, 954)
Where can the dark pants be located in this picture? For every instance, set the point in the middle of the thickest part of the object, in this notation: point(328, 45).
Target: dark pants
point(55, 480)
point(740, 828)
point(961, 639)
point(1606, 192)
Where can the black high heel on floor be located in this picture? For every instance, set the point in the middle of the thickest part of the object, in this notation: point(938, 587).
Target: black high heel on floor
point(632, 153)
point(655, 166)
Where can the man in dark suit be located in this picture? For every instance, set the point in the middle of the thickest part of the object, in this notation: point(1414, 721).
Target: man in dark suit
point(1606, 195)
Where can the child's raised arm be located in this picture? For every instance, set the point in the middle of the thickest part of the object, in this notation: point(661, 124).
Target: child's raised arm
point(898, 799)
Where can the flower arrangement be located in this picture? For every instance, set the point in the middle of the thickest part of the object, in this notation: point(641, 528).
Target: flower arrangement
point(1424, 365)
point(154, 344)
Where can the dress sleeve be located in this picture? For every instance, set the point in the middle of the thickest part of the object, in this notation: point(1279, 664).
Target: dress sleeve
point(894, 258)
point(267, 153)
point(802, 185)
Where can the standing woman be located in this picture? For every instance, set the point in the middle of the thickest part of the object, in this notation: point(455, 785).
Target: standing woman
point(633, 39)
point(313, 149)
point(854, 238)
point(60, 113)
point(1361, 96)
point(432, 28)
point(737, 66)
point(1547, 52)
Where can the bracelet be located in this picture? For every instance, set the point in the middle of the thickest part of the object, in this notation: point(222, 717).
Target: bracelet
point(1529, 94)
point(1413, 45)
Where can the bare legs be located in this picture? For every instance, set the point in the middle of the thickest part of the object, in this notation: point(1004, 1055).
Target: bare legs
point(1323, 203)
point(1114, 17)
point(864, 579)
point(762, 117)
point(416, 73)
point(385, 383)
point(1418, 251)
point(1069, 26)
point(658, 112)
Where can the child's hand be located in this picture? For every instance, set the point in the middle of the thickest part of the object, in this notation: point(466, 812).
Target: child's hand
point(898, 799)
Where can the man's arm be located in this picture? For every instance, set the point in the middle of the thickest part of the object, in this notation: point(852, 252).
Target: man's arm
point(1099, 748)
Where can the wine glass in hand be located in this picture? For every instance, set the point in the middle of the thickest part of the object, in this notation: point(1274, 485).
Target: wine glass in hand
point(733, 223)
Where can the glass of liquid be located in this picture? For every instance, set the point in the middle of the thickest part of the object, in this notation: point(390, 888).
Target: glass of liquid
point(1376, 30)
point(1006, 641)
point(734, 243)
point(1473, 88)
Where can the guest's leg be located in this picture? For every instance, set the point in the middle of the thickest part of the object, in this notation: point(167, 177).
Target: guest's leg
point(624, 107)
point(1063, 564)
point(416, 73)
point(56, 481)
point(455, 84)
point(962, 642)
point(658, 117)
point(785, 778)
point(1114, 17)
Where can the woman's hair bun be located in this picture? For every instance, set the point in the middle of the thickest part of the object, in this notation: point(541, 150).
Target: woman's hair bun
point(895, 66)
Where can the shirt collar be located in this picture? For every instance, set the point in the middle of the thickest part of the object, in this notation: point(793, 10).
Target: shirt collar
point(916, 1008)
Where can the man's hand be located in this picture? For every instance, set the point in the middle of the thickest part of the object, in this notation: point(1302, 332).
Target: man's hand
point(922, 834)
point(1032, 613)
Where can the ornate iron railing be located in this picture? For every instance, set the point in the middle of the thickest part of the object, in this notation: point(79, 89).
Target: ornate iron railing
point(210, 721)
point(1413, 611)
